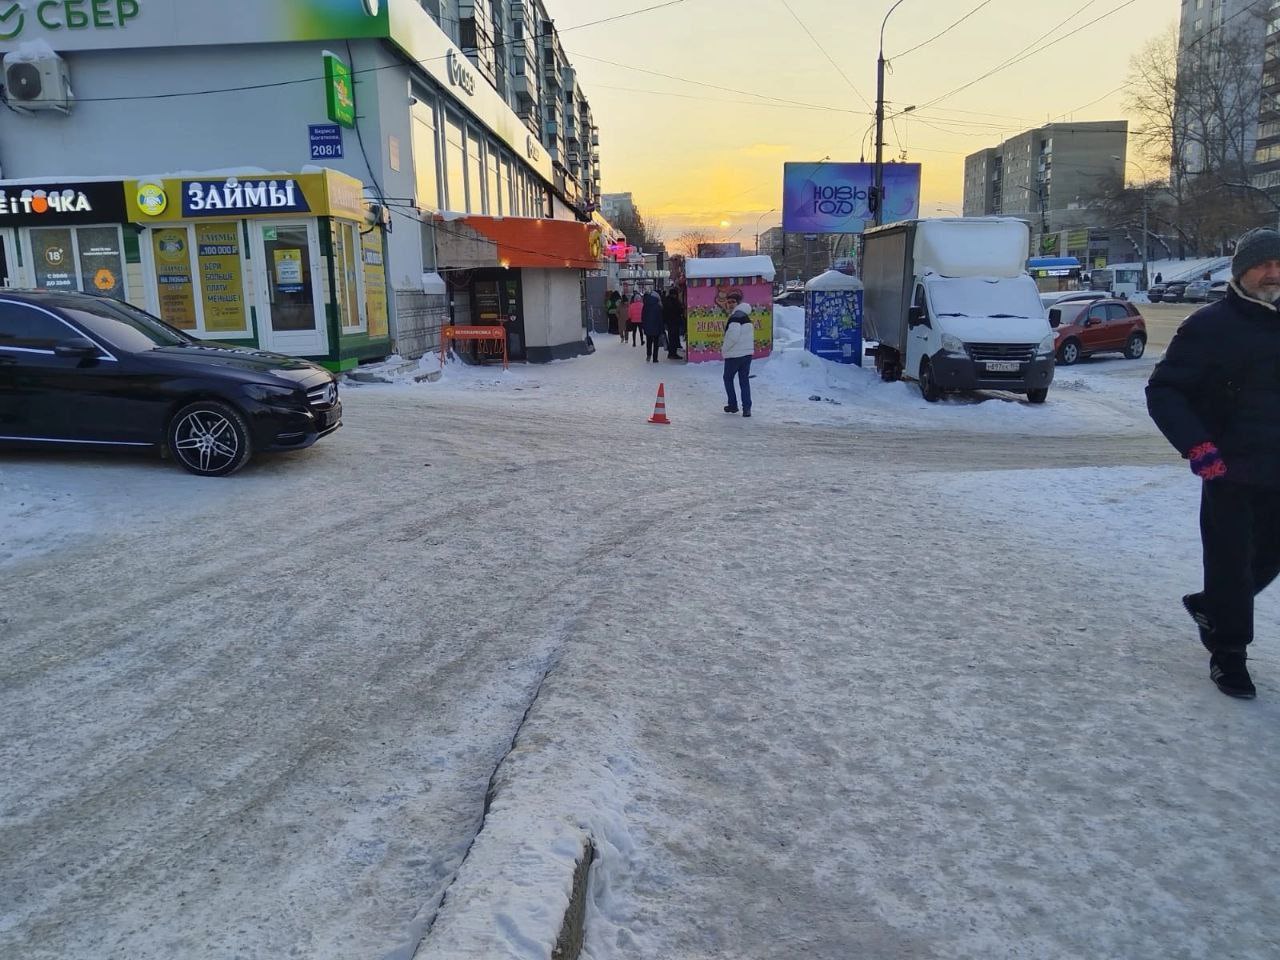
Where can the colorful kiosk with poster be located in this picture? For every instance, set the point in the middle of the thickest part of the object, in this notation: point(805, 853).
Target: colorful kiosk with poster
point(291, 263)
point(708, 283)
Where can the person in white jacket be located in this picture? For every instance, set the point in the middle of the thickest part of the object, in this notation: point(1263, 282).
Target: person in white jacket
point(739, 345)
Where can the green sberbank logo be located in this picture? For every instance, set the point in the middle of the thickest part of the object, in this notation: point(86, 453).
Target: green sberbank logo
point(54, 15)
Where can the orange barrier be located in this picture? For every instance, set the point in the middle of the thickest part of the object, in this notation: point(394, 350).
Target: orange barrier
point(491, 335)
point(660, 407)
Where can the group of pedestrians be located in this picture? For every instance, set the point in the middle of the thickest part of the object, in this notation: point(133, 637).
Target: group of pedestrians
point(653, 320)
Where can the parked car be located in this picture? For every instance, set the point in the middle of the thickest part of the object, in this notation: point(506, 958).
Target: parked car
point(1071, 296)
point(85, 370)
point(1197, 291)
point(1217, 290)
point(1102, 326)
point(790, 298)
point(1171, 291)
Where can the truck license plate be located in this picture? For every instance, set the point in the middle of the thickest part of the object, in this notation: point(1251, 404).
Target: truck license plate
point(1002, 366)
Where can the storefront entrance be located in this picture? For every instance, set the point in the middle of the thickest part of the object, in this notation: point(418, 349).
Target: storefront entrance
point(495, 298)
point(290, 296)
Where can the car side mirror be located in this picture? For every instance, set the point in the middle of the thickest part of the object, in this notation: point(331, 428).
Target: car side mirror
point(1055, 317)
point(917, 317)
point(78, 348)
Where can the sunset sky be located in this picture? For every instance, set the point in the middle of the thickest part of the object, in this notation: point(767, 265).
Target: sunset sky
point(692, 154)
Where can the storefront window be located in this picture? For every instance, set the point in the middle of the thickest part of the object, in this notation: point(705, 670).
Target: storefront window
point(221, 278)
point(346, 250)
point(89, 259)
point(475, 174)
point(426, 164)
point(175, 286)
point(506, 187)
point(455, 166)
point(54, 258)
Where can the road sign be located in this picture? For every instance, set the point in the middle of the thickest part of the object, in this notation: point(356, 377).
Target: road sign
point(326, 141)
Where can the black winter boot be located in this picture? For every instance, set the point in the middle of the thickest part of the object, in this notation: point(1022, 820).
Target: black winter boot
point(1227, 669)
point(1193, 604)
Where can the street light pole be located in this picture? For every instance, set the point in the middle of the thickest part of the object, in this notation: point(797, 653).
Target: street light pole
point(1146, 279)
point(879, 171)
point(758, 219)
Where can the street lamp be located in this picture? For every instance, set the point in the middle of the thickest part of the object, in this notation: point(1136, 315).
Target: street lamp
point(879, 179)
point(758, 219)
point(1145, 279)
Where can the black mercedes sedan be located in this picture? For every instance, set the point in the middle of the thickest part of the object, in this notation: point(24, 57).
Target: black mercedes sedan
point(84, 370)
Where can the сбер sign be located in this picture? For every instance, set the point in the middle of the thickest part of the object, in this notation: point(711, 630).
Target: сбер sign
point(204, 197)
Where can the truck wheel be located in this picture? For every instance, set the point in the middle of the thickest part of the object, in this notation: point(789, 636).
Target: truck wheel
point(1039, 395)
point(1069, 353)
point(929, 388)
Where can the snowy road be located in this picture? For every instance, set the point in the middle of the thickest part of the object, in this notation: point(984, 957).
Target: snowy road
point(815, 690)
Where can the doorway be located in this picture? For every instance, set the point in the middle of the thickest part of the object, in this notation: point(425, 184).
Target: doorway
point(290, 297)
point(496, 298)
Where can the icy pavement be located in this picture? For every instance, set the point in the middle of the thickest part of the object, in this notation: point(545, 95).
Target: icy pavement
point(874, 679)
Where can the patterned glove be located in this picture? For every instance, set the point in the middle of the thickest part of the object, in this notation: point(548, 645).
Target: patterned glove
point(1206, 462)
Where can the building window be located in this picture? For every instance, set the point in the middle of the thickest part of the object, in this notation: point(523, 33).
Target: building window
point(426, 159)
point(347, 276)
point(495, 191)
point(475, 174)
point(455, 165)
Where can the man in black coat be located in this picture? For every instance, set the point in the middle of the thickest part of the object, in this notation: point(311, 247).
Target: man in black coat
point(1216, 397)
point(673, 317)
point(651, 322)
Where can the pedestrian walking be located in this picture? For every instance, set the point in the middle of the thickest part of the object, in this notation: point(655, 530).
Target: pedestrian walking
point(611, 310)
point(1216, 397)
point(738, 346)
point(1159, 279)
point(634, 314)
point(673, 317)
point(651, 320)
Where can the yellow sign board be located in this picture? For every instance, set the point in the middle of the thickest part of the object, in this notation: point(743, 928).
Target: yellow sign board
point(221, 277)
point(375, 282)
point(326, 193)
point(173, 277)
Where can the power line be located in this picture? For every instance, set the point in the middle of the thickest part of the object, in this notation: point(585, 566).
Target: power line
point(942, 32)
point(827, 55)
point(1016, 59)
point(286, 83)
point(712, 86)
point(750, 103)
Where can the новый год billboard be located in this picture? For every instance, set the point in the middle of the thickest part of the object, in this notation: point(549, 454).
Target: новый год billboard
point(833, 197)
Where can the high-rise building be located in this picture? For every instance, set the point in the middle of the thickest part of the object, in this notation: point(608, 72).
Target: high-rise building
point(1266, 171)
point(1046, 174)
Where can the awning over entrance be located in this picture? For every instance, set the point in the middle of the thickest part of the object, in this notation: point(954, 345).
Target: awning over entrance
point(517, 242)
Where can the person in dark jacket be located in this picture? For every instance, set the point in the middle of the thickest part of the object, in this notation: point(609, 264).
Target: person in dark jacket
point(651, 323)
point(673, 317)
point(1216, 397)
point(611, 310)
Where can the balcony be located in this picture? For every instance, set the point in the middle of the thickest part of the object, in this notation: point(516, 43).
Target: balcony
point(595, 137)
point(524, 90)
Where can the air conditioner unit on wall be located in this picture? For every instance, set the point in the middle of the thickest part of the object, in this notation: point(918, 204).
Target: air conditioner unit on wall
point(37, 81)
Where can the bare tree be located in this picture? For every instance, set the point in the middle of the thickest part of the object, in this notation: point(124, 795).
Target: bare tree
point(638, 231)
point(686, 244)
point(1197, 104)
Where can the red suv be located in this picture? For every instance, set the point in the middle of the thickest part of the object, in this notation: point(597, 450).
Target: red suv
point(1098, 326)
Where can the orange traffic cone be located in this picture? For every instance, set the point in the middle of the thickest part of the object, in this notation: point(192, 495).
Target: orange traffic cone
point(660, 407)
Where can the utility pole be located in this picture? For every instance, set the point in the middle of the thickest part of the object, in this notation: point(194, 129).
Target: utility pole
point(879, 170)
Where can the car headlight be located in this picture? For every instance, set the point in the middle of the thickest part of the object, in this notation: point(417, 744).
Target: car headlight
point(269, 394)
point(1046, 345)
point(953, 344)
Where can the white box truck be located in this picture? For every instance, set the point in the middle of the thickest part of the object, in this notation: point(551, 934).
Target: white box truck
point(950, 305)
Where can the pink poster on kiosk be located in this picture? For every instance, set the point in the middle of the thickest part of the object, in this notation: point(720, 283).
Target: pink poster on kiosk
point(709, 282)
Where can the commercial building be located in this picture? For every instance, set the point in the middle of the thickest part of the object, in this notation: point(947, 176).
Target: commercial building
point(1047, 176)
point(1266, 171)
point(437, 110)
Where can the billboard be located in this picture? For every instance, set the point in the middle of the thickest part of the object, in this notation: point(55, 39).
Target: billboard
point(719, 250)
point(832, 197)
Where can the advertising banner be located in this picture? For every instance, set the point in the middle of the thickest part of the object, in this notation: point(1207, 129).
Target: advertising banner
point(708, 311)
point(59, 204)
point(832, 197)
point(326, 193)
point(221, 277)
point(375, 283)
point(177, 292)
point(55, 261)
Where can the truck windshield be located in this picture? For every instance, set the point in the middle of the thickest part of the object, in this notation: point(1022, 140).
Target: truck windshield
point(979, 297)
